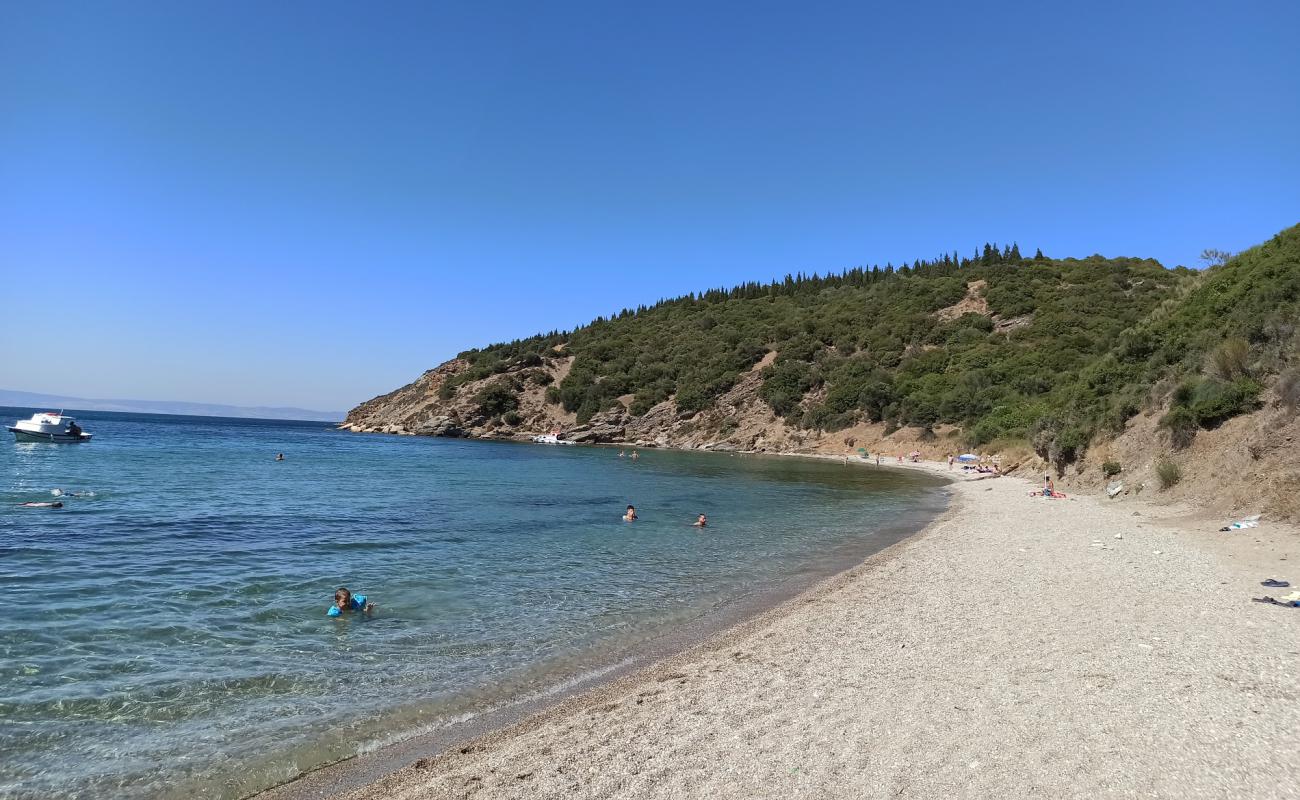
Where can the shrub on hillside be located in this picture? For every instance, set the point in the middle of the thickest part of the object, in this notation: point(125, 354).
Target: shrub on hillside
point(785, 383)
point(496, 399)
point(1111, 468)
point(1214, 402)
point(1182, 426)
point(1230, 360)
point(512, 418)
point(1058, 442)
point(1207, 404)
point(1168, 472)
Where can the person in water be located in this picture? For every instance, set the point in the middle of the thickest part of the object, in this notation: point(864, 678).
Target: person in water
point(634, 455)
point(345, 600)
point(279, 456)
point(630, 516)
point(702, 522)
point(621, 454)
point(55, 504)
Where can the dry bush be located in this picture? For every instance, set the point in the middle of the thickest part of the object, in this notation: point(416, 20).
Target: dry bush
point(1169, 473)
point(1230, 360)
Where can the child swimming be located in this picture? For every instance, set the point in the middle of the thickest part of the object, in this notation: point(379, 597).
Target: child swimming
point(345, 600)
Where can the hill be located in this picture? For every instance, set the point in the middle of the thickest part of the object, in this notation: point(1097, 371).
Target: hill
point(996, 351)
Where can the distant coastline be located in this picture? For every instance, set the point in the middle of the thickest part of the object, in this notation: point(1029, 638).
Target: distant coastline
point(19, 399)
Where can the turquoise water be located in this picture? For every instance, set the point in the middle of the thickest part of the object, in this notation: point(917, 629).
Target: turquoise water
point(167, 637)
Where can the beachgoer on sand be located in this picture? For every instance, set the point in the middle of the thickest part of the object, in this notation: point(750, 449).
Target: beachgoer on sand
point(345, 601)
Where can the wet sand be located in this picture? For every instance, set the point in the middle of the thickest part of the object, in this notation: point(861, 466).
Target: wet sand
point(1014, 647)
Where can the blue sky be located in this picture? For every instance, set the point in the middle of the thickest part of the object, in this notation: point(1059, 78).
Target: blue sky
point(310, 203)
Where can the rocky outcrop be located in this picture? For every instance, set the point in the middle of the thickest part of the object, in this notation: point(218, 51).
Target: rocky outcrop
point(439, 425)
point(598, 431)
point(739, 420)
point(423, 408)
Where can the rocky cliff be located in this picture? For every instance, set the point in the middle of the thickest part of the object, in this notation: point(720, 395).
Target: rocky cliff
point(739, 420)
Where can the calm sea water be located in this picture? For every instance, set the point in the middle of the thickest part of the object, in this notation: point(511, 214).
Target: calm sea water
point(167, 637)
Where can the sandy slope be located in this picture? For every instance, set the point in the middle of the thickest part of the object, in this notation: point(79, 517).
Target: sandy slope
point(1001, 653)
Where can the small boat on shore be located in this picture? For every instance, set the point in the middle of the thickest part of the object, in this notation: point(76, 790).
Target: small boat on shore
point(550, 438)
point(47, 426)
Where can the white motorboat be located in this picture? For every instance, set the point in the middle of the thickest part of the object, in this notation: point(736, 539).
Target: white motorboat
point(550, 438)
point(47, 426)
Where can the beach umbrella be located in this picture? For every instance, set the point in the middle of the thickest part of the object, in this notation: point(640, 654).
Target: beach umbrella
point(968, 457)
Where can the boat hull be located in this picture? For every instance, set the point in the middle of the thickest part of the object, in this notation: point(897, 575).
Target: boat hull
point(55, 438)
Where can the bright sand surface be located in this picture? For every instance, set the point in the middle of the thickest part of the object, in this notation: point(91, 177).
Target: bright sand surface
point(1014, 648)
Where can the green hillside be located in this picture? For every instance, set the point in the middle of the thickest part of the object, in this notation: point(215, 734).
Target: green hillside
point(1052, 351)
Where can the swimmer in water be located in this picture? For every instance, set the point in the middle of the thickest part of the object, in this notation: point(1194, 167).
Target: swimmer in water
point(345, 600)
point(66, 493)
point(621, 454)
point(630, 516)
point(702, 522)
point(41, 505)
point(279, 456)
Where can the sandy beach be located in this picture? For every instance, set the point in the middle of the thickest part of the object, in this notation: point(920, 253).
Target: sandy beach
point(1019, 646)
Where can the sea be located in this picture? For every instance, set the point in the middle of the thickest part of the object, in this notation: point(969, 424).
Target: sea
point(165, 632)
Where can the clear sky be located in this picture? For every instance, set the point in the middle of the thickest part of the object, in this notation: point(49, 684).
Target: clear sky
point(311, 203)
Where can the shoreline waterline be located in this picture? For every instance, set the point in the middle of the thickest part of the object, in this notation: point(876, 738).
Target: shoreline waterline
point(634, 664)
point(1017, 646)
